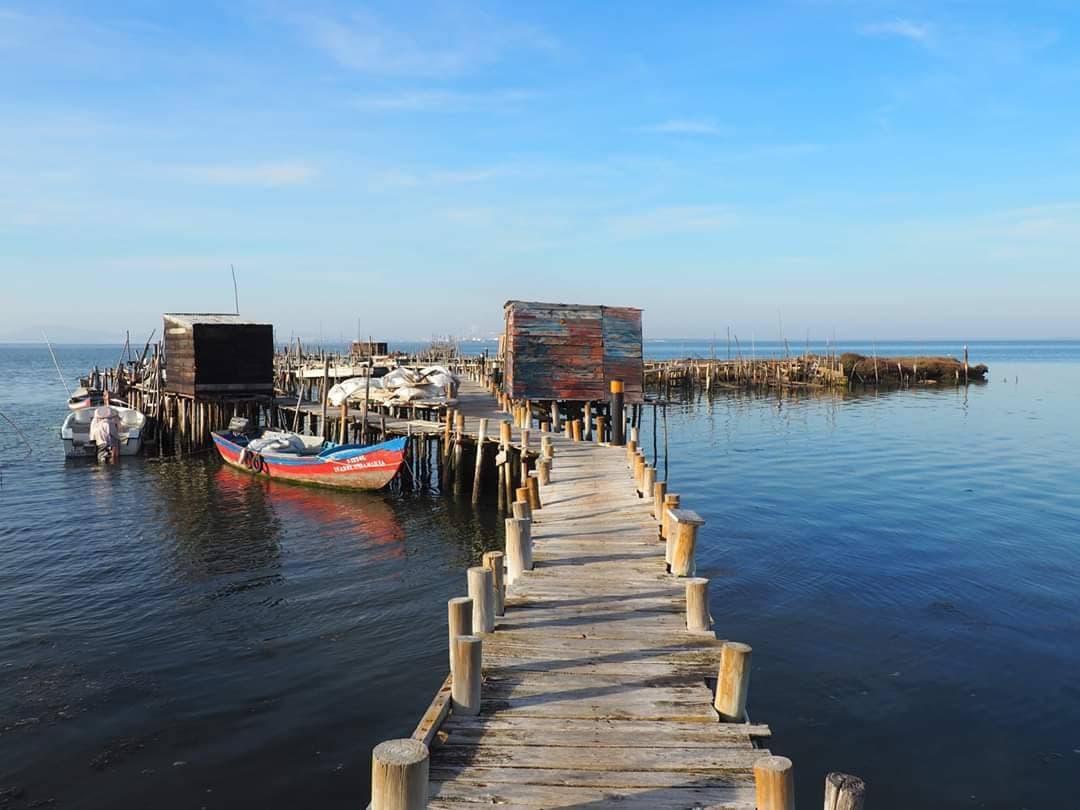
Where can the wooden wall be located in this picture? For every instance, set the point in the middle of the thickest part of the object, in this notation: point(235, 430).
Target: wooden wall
point(571, 352)
point(219, 359)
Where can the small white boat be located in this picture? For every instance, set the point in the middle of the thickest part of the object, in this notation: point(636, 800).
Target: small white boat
point(127, 424)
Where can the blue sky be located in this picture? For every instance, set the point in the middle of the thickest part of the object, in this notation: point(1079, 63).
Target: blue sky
point(864, 169)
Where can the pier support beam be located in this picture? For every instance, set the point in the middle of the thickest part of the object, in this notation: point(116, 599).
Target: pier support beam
point(844, 792)
point(697, 605)
point(482, 592)
point(618, 420)
point(685, 524)
point(518, 548)
point(733, 682)
point(459, 622)
point(493, 560)
point(399, 775)
point(774, 784)
point(465, 685)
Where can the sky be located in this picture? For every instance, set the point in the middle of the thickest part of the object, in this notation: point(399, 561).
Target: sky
point(863, 170)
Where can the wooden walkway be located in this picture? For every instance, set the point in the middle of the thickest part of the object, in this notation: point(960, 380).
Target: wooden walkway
point(594, 691)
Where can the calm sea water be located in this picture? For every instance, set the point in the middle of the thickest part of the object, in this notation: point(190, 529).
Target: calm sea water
point(905, 565)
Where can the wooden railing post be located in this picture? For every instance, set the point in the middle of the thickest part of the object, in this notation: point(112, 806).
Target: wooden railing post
point(522, 510)
point(671, 501)
point(399, 775)
point(459, 621)
point(481, 435)
point(482, 592)
point(684, 523)
point(518, 548)
point(465, 685)
point(844, 792)
point(697, 605)
point(543, 471)
point(733, 682)
point(774, 784)
point(601, 424)
point(534, 493)
point(493, 560)
point(618, 421)
point(658, 492)
point(648, 481)
point(522, 496)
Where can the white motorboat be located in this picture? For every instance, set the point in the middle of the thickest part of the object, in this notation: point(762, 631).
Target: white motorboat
point(127, 424)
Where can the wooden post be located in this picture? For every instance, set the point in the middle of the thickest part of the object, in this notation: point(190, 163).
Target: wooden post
point(481, 435)
point(343, 428)
point(534, 493)
point(588, 422)
point(522, 510)
point(671, 501)
point(459, 621)
point(568, 429)
point(518, 548)
point(774, 784)
point(505, 437)
point(465, 685)
point(556, 420)
point(399, 775)
point(494, 561)
point(844, 792)
point(482, 592)
point(618, 420)
point(659, 491)
point(600, 424)
point(543, 471)
point(648, 481)
point(733, 682)
point(547, 450)
point(631, 451)
point(325, 395)
point(459, 450)
point(697, 604)
point(685, 523)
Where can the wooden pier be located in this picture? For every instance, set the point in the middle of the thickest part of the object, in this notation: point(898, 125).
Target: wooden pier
point(602, 681)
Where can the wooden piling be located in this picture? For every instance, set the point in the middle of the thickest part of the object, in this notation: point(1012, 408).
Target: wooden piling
point(659, 491)
point(685, 523)
point(481, 436)
point(543, 471)
point(601, 423)
point(518, 548)
point(399, 775)
point(493, 560)
point(648, 481)
point(697, 605)
point(618, 419)
point(522, 510)
point(844, 792)
point(733, 682)
point(465, 684)
point(533, 489)
point(482, 592)
point(671, 501)
point(459, 622)
point(774, 784)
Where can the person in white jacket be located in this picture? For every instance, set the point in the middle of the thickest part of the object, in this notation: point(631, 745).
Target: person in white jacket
point(105, 433)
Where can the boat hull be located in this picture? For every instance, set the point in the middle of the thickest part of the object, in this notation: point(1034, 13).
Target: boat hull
point(351, 467)
point(73, 448)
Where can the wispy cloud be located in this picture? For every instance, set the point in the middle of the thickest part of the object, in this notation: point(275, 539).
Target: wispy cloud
point(439, 100)
point(686, 126)
point(906, 29)
point(397, 180)
point(671, 219)
point(269, 175)
point(449, 47)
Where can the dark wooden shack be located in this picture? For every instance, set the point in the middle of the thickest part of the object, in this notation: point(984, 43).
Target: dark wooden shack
point(365, 348)
point(572, 352)
point(218, 356)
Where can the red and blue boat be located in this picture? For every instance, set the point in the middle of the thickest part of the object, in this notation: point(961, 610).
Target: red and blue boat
point(310, 460)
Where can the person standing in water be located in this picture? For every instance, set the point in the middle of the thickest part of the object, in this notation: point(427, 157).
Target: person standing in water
point(105, 433)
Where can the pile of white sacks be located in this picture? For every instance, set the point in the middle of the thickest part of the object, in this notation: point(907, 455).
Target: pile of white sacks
point(400, 386)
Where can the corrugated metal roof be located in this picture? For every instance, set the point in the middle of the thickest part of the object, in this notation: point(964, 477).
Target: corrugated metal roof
point(192, 318)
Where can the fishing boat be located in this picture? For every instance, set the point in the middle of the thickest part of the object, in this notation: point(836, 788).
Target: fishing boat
point(309, 459)
point(126, 427)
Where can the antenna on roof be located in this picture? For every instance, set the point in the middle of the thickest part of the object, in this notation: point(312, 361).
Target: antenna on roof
point(236, 294)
